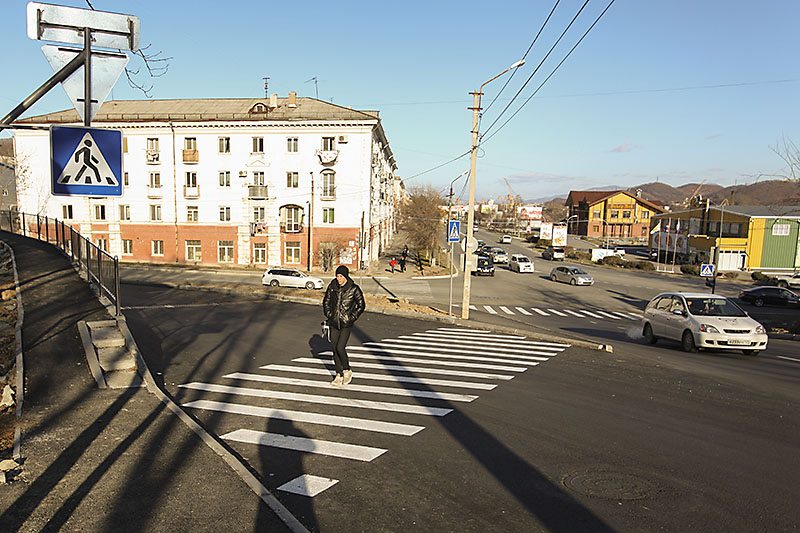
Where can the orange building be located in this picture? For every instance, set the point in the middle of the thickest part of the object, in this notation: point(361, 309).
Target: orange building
point(617, 214)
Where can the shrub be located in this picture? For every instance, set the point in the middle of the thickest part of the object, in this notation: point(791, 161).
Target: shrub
point(643, 265)
point(579, 255)
point(758, 276)
point(612, 260)
point(544, 243)
point(531, 238)
point(693, 270)
point(733, 274)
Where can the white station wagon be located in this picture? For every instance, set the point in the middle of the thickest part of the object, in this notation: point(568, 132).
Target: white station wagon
point(702, 321)
point(520, 263)
point(289, 277)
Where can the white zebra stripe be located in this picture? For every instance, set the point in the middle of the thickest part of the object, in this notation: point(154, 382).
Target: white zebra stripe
point(505, 338)
point(410, 369)
point(591, 314)
point(393, 359)
point(471, 342)
point(506, 310)
point(536, 309)
point(489, 309)
point(523, 310)
point(556, 312)
point(574, 313)
point(519, 353)
point(609, 315)
point(456, 354)
point(303, 444)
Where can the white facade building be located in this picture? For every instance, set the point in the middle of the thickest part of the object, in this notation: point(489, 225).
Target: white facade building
point(241, 181)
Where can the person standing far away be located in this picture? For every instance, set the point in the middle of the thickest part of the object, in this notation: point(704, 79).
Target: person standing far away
point(403, 261)
point(393, 264)
point(343, 304)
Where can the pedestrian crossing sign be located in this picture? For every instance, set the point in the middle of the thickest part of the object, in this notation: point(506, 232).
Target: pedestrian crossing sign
point(86, 161)
point(454, 231)
point(707, 270)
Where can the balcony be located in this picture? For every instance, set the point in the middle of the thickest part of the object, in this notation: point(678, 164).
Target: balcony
point(191, 192)
point(153, 157)
point(327, 157)
point(328, 193)
point(154, 191)
point(257, 191)
point(191, 156)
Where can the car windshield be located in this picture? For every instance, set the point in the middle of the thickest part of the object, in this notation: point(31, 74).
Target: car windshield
point(576, 270)
point(709, 306)
point(522, 259)
point(558, 250)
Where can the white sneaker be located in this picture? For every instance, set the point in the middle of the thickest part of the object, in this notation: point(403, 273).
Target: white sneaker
point(337, 381)
point(348, 377)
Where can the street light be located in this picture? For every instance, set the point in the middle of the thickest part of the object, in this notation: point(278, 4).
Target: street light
point(471, 213)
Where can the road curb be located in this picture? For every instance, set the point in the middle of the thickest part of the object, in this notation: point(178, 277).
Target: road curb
point(527, 332)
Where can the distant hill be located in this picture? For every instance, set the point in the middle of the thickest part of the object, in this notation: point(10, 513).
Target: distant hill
point(772, 192)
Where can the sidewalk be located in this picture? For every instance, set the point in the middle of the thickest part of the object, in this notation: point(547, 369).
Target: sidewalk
point(382, 267)
point(104, 460)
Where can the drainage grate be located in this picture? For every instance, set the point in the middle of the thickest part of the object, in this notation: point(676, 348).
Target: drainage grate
point(611, 485)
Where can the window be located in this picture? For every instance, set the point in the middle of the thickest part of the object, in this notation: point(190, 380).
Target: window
point(259, 252)
point(781, 230)
point(124, 212)
point(127, 246)
point(224, 214)
point(292, 218)
point(192, 213)
point(155, 212)
point(125, 179)
point(597, 214)
point(152, 144)
point(258, 178)
point(614, 213)
point(225, 251)
point(291, 144)
point(328, 185)
point(158, 247)
point(645, 215)
point(596, 228)
point(224, 178)
point(66, 212)
point(292, 253)
point(102, 244)
point(193, 251)
point(327, 215)
point(191, 179)
point(626, 214)
point(258, 145)
point(190, 143)
point(155, 179)
point(100, 212)
point(328, 143)
point(224, 145)
point(259, 214)
point(292, 179)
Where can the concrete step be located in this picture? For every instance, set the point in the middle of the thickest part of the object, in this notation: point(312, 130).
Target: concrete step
point(104, 337)
point(123, 379)
point(113, 358)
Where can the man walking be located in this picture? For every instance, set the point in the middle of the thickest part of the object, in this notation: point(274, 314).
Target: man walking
point(343, 304)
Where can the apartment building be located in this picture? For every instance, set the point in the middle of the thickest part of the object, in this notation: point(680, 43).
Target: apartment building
point(248, 181)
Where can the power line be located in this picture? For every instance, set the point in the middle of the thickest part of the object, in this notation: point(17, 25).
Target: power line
point(437, 166)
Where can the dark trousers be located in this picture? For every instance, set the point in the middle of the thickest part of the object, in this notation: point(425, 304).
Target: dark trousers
point(339, 339)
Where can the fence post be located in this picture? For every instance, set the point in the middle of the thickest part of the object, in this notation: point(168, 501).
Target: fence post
point(99, 271)
point(38, 227)
point(24, 226)
point(116, 283)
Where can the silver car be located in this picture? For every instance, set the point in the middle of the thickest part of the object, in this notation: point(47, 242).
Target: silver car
point(572, 275)
point(498, 255)
point(289, 277)
point(702, 321)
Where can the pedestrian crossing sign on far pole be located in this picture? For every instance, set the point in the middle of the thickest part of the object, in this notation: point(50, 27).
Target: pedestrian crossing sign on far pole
point(86, 161)
point(454, 231)
point(707, 270)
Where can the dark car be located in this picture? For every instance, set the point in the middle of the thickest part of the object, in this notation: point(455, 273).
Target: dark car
point(485, 267)
point(760, 296)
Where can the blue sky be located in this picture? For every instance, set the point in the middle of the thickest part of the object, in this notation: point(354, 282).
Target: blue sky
point(678, 90)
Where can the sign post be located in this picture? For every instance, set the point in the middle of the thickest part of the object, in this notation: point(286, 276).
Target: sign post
point(453, 236)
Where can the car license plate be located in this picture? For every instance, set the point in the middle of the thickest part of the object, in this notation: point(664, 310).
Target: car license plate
point(740, 342)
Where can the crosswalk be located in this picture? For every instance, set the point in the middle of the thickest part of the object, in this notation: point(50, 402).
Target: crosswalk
point(596, 314)
point(424, 374)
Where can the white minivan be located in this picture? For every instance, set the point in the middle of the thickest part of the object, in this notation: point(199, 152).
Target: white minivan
point(700, 321)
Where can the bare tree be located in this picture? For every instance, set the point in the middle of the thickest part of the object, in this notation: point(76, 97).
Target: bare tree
point(423, 218)
point(791, 157)
point(329, 254)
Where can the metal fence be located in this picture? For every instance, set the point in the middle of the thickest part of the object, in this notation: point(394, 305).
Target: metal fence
point(100, 267)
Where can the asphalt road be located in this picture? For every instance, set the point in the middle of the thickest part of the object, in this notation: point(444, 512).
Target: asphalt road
point(645, 438)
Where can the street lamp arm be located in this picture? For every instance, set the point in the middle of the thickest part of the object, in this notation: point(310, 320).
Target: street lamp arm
point(515, 65)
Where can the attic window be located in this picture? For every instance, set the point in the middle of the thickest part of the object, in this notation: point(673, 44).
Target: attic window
point(259, 108)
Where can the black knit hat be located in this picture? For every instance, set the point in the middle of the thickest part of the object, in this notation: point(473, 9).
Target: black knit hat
point(343, 270)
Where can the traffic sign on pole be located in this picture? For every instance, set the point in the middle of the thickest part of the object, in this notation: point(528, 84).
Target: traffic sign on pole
point(707, 270)
point(86, 161)
point(454, 231)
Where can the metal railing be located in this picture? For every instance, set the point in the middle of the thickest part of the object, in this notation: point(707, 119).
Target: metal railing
point(100, 267)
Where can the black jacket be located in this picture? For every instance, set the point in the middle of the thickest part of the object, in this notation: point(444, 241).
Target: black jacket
point(343, 304)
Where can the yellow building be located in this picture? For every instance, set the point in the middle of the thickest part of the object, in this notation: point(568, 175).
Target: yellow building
point(615, 214)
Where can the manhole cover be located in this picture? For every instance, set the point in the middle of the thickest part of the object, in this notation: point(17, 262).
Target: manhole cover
point(610, 485)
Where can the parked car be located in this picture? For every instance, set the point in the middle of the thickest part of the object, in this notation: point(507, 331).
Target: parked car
point(760, 296)
point(572, 275)
point(700, 321)
point(481, 244)
point(553, 253)
point(498, 255)
point(506, 239)
point(289, 277)
point(485, 267)
point(786, 281)
point(520, 263)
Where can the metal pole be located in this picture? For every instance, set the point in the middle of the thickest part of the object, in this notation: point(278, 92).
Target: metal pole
point(311, 225)
point(449, 217)
point(471, 214)
point(717, 254)
point(87, 77)
point(117, 283)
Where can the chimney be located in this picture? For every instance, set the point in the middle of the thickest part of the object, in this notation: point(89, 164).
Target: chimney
point(273, 101)
point(292, 99)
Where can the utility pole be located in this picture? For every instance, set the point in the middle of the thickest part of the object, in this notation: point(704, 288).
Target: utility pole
point(311, 225)
point(716, 252)
point(476, 108)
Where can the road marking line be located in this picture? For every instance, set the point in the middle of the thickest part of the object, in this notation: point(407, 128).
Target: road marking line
point(472, 307)
point(314, 398)
point(451, 353)
point(609, 315)
point(555, 312)
point(378, 426)
point(540, 311)
point(472, 348)
point(788, 358)
point(574, 313)
point(631, 316)
point(413, 369)
point(384, 377)
point(395, 391)
point(303, 444)
point(504, 338)
point(385, 355)
point(593, 315)
point(523, 311)
point(506, 310)
point(308, 485)
point(489, 309)
point(463, 330)
point(470, 342)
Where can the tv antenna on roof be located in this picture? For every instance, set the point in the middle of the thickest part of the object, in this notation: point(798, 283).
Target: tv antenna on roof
point(316, 86)
point(266, 87)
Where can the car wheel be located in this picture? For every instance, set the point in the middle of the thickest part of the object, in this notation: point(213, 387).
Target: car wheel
point(492, 274)
point(648, 334)
point(310, 285)
point(273, 283)
point(783, 285)
point(758, 302)
point(553, 277)
point(750, 352)
point(573, 282)
point(687, 341)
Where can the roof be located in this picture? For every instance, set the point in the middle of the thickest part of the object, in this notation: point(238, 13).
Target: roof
point(594, 197)
point(752, 211)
